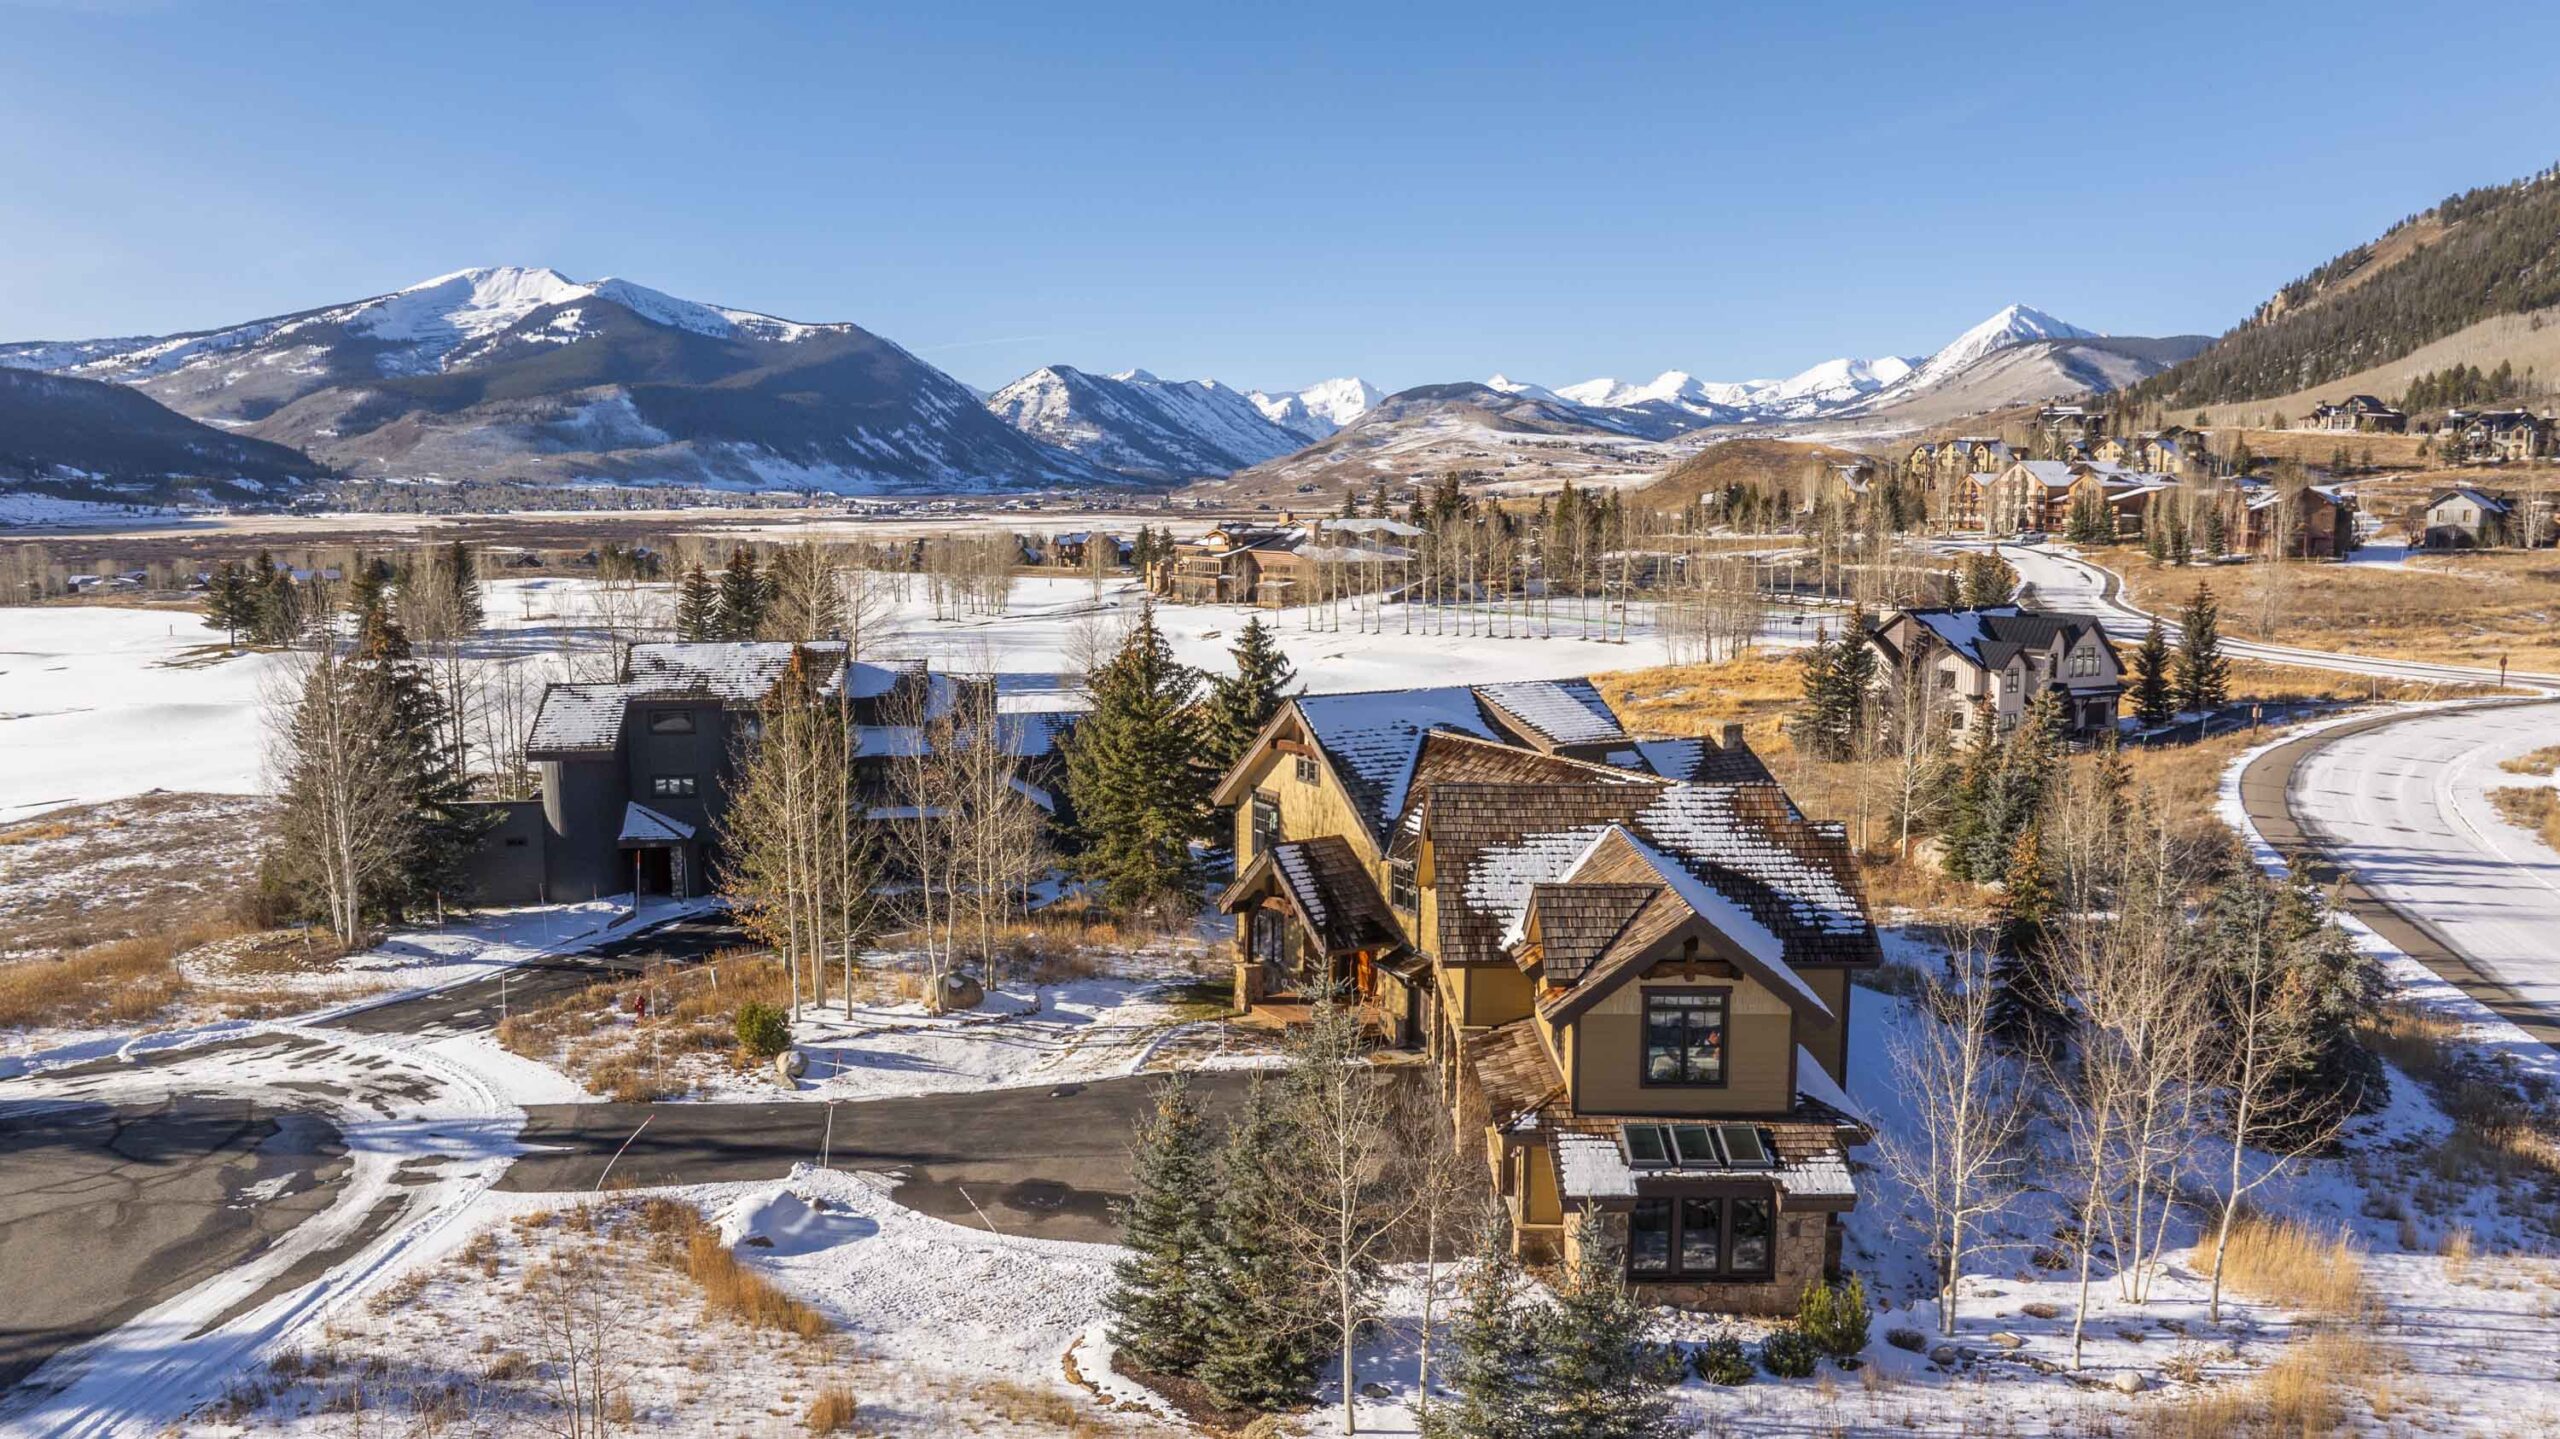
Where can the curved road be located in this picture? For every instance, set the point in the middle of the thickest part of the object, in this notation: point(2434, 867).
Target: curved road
point(2394, 810)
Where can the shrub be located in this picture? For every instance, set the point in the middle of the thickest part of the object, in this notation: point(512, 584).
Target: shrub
point(833, 1410)
point(763, 1029)
point(1789, 1354)
point(1905, 1337)
point(1721, 1361)
point(1835, 1317)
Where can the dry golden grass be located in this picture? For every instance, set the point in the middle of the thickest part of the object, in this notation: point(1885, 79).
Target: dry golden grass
point(833, 1411)
point(2530, 807)
point(2545, 760)
point(1760, 688)
point(2413, 1039)
point(119, 981)
point(2452, 609)
point(2304, 1394)
point(1021, 1403)
point(2292, 1264)
point(684, 1240)
point(690, 1012)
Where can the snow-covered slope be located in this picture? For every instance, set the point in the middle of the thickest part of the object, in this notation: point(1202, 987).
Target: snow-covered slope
point(2014, 325)
point(524, 374)
point(1320, 409)
point(1141, 426)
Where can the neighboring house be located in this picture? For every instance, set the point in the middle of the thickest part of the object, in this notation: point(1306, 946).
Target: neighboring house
point(2312, 522)
point(1278, 566)
point(1074, 547)
point(2360, 413)
point(2039, 495)
point(2065, 423)
point(2507, 436)
point(635, 774)
point(1629, 959)
point(2465, 518)
point(1987, 665)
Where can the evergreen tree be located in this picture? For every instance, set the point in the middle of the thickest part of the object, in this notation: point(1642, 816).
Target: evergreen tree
point(1157, 1315)
point(1135, 779)
point(1969, 801)
point(1263, 1311)
point(2025, 1012)
point(2203, 673)
point(2155, 700)
point(1597, 1377)
point(1242, 703)
point(369, 592)
point(2214, 538)
point(2334, 987)
point(2155, 543)
point(461, 574)
point(230, 601)
point(441, 827)
point(742, 596)
point(1493, 1338)
point(2181, 545)
point(697, 606)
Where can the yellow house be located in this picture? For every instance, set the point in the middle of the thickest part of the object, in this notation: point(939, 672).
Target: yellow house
point(1629, 958)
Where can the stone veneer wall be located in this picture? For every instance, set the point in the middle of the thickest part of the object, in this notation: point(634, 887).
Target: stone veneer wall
point(1803, 1246)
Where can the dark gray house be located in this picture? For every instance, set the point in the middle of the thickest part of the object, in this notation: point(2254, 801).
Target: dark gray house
point(636, 773)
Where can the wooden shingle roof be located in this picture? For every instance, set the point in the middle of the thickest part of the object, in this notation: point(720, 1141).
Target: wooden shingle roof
point(1576, 922)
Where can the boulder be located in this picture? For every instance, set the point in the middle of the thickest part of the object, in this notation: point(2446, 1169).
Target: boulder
point(791, 1064)
point(2006, 1340)
point(958, 992)
point(2127, 1381)
point(1943, 1355)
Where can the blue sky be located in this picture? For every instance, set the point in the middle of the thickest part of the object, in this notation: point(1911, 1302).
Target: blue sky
point(1267, 194)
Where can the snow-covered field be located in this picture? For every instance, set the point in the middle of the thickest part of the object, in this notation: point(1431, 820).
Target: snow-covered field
point(98, 702)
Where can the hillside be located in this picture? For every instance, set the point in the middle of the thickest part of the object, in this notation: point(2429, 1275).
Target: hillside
point(1141, 426)
point(87, 439)
point(2478, 255)
point(1755, 463)
point(525, 375)
point(2530, 342)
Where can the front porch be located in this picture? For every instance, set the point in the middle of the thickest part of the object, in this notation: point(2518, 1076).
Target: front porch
point(1310, 922)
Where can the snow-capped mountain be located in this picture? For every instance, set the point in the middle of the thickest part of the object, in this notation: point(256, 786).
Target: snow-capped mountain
point(525, 374)
point(2014, 325)
point(1141, 426)
point(1320, 409)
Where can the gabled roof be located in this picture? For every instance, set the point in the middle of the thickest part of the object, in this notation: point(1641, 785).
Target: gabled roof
point(1327, 886)
point(2488, 503)
point(1373, 739)
point(1575, 921)
point(1692, 760)
point(645, 826)
point(576, 719)
point(1568, 711)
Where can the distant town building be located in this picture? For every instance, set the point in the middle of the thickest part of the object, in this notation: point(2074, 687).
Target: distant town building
point(2359, 414)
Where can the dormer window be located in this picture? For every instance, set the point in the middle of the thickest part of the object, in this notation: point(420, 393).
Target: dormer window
point(671, 722)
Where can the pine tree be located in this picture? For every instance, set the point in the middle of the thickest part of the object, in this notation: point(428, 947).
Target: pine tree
point(2203, 673)
point(1157, 1313)
point(1597, 1377)
point(461, 574)
point(230, 602)
point(368, 592)
point(2334, 988)
point(1822, 720)
point(697, 606)
point(442, 827)
point(2025, 1011)
point(1969, 801)
point(1135, 779)
point(1263, 1314)
point(742, 596)
point(2155, 700)
point(1493, 1339)
point(1241, 704)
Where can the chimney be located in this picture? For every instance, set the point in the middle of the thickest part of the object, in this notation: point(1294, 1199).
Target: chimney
point(1732, 735)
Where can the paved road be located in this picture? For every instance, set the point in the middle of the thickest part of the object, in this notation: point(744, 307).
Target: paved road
point(2396, 807)
point(1044, 1162)
point(478, 1005)
point(107, 1210)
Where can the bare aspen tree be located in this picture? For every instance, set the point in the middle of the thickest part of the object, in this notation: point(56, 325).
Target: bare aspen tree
point(1961, 1158)
point(1449, 1202)
point(997, 834)
point(915, 824)
point(1347, 1205)
point(510, 694)
point(343, 824)
point(1915, 731)
point(579, 1321)
point(797, 863)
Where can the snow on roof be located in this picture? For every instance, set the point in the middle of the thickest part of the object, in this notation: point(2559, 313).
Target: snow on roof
point(1501, 876)
point(1592, 1167)
point(576, 718)
point(2055, 474)
point(643, 825)
point(1567, 711)
point(1374, 737)
point(1815, 1083)
point(1374, 527)
point(736, 671)
point(1730, 920)
point(1034, 793)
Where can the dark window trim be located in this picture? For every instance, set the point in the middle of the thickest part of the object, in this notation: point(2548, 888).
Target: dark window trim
point(1723, 1198)
point(1644, 1036)
point(1263, 839)
point(1306, 770)
point(1404, 885)
point(691, 786)
point(671, 722)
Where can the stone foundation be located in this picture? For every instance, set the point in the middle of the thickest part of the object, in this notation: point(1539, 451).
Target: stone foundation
point(1803, 1245)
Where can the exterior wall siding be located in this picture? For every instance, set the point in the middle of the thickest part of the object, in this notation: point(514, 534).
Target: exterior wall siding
point(1608, 1046)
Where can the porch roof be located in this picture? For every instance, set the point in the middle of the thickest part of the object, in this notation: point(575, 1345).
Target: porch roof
point(1326, 886)
point(643, 827)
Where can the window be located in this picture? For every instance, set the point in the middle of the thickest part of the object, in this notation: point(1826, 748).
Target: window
point(1696, 1146)
point(671, 722)
point(1700, 1237)
point(1684, 1036)
point(672, 786)
point(1401, 890)
point(1266, 822)
point(2084, 661)
point(1306, 769)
